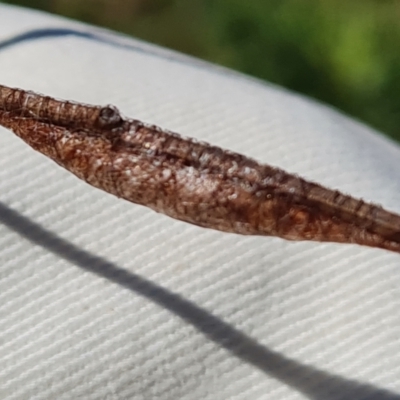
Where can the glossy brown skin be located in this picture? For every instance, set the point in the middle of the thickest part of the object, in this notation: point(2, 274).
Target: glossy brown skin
point(189, 180)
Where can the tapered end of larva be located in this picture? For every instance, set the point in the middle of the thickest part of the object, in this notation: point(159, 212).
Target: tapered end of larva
point(373, 240)
point(380, 230)
point(391, 243)
point(347, 233)
point(375, 227)
point(325, 215)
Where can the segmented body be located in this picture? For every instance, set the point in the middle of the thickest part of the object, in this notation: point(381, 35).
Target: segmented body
point(189, 180)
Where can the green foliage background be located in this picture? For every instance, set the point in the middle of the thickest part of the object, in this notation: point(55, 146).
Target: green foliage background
point(343, 52)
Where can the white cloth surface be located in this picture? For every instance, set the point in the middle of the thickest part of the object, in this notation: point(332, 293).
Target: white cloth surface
point(103, 299)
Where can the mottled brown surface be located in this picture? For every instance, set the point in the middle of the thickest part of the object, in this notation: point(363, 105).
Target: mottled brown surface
point(189, 180)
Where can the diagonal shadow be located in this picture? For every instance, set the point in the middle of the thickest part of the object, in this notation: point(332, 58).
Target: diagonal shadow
point(116, 41)
point(310, 381)
point(42, 33)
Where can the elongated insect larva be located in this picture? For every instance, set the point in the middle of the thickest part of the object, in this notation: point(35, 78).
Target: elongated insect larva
point(188, 180)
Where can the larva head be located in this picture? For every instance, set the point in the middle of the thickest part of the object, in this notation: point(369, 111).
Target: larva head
point(109, 118)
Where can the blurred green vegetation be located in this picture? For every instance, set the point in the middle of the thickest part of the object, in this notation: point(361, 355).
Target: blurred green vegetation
point(343, 52)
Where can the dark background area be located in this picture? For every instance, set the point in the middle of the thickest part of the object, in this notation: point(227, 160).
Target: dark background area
point(345, 53)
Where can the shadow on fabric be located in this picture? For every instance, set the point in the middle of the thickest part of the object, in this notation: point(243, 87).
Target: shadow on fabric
point(313, 383)
point(115, 40)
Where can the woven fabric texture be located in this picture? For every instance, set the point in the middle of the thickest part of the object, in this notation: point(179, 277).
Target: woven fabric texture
point(103, 299)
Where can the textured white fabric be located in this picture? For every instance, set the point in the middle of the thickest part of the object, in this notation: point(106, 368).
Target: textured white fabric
point(102, 299)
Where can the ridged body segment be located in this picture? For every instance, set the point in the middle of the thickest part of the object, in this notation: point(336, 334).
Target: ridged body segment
point(189, 180)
